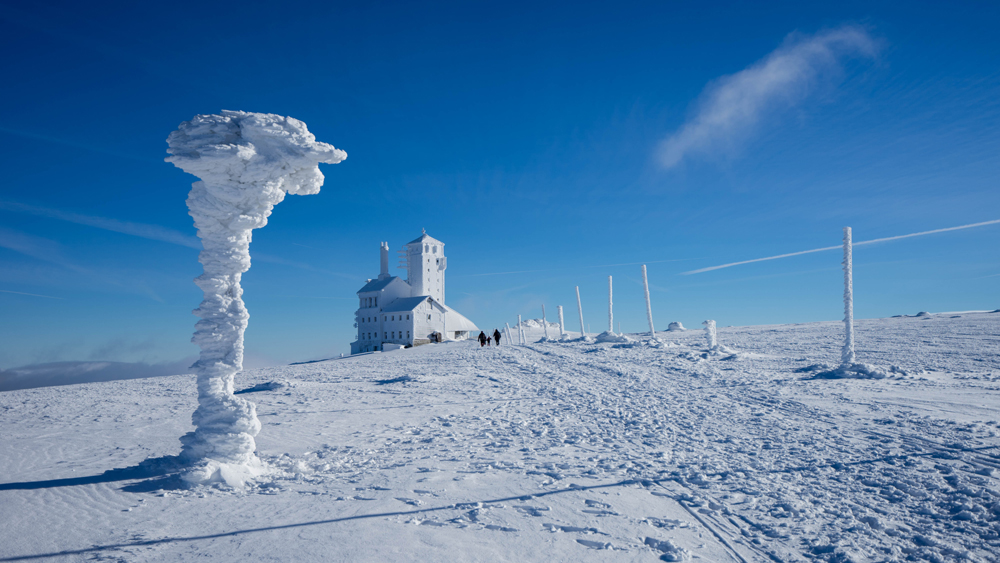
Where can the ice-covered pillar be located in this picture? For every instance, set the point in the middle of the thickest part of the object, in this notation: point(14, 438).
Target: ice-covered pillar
point(847, 354)
point(611, 308)
point(545, 323)
point(579, 307)
point(649, 308)
point(520, 331)
point(710, 335)
point(246, 163)
point(509, 339)
point(562, 324)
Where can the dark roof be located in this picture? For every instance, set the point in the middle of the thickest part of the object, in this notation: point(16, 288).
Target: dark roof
point(405, 304)
point(377, 285)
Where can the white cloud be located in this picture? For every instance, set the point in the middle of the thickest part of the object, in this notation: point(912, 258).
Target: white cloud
point(732, 107)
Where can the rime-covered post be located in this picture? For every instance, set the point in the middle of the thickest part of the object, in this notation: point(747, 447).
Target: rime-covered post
point(579, 307)
point(649, 308)
point(246, 163)
point(545, 323)
point(562, 325)
point(509, 339)
point(611, 308)
point(847, 354)
point(520, 331)
point(710, 335)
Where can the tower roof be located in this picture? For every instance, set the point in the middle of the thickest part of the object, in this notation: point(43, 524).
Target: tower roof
point(424, 238)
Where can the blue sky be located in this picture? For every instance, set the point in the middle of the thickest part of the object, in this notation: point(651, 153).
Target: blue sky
point(565, 143)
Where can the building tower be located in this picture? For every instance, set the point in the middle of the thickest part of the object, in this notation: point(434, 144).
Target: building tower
point(383, 261)
point(425, 266)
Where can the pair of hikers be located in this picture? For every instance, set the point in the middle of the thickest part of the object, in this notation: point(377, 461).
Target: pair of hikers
point(488, 340)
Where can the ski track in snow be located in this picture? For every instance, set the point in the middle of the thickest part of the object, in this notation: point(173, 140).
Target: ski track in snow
point(550, 451)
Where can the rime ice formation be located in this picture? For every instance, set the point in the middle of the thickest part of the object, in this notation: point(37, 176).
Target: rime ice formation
point(246, 163)
point(562, 324)
point(710, 335)
point(579, 307)
point(611, 307)
point(847, 354)
point(649, 308)
point(676, 326)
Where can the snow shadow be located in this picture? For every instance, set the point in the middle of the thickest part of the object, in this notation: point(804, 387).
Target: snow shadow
point(159, 473)
point(458, 506)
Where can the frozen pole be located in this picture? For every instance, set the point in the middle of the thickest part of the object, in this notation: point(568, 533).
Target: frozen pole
point(509, 339)
point(545, 323)
point(649, 308)
point(611, 309)
point(562, 325)
point(847, 354)
point(579, 307)
point(520, 331)
point(246, 163)
point(710, 337)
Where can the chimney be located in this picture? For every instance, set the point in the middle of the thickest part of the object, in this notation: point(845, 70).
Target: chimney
point(384, 270)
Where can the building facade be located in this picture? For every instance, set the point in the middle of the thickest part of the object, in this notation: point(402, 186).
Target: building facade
point(393, 313)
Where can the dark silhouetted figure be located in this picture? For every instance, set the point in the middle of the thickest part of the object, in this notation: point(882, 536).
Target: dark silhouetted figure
point(496, 336)
point(482, 339)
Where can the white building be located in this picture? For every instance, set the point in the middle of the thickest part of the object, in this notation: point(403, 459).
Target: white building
point(394, 313)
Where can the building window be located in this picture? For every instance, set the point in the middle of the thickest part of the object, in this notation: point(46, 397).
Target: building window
point(394, 317)
point(394, 335)
point(407, 335)
point(434, 249)
point(428, 316)
point(385, 335)
point(407, 317)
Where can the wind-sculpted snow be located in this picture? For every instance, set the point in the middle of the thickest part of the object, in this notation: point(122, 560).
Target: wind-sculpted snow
point(247, 162)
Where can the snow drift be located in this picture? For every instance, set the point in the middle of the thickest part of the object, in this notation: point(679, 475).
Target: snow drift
point(247, 162)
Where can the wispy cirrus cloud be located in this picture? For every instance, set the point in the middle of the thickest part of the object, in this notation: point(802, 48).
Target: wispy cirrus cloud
point(731, 108)
point(143, 230)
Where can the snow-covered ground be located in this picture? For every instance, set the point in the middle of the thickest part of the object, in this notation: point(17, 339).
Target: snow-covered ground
point(548, 452)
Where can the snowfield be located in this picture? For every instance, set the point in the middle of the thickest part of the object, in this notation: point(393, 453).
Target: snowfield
point(554, 451)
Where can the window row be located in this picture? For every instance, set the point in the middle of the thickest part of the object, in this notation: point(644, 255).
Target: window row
point(390, 335)
point(386, 318)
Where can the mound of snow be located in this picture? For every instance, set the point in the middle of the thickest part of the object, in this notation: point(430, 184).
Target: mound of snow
point(675, 326)
point(537, 323)
point(608, 336)
point(859, 371)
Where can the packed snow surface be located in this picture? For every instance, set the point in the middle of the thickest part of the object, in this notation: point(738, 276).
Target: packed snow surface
point(556, 451)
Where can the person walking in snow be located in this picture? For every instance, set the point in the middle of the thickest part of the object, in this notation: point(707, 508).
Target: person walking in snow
point(482, 339)
point(496, 336)
point(489, 341)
